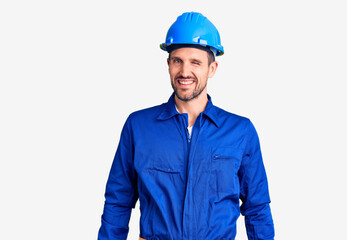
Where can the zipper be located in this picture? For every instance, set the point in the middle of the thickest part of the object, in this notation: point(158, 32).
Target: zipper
point(219, 156)
point(186, 219)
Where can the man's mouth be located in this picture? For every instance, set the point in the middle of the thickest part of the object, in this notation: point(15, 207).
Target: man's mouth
point(185, 82)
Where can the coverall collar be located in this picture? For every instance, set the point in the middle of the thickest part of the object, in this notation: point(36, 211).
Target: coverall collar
point(169, 110)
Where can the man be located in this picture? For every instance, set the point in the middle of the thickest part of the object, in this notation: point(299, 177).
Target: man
point(188, 161)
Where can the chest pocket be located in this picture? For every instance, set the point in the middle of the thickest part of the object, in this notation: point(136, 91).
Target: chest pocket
point(167, 162)
point(225, 163)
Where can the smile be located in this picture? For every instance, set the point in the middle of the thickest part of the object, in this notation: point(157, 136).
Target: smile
point(184, 82)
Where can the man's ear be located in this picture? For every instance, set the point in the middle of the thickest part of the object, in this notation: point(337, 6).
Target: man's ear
point(212, 69)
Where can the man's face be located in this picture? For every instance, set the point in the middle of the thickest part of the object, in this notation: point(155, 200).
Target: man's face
point(189, 71)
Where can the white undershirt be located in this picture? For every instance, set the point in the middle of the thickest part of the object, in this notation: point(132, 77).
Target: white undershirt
point(189, 128)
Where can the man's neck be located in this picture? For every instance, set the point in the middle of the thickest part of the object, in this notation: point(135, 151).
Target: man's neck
point(193, 107)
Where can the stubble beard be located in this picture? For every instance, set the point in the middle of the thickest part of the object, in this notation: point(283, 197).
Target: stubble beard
point(197, 91)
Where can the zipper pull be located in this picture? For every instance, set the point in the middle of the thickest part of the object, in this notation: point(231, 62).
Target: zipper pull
point(216, 156)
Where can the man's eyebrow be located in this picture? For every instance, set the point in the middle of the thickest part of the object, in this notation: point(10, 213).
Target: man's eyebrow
point(195, 60)
point(191, 59)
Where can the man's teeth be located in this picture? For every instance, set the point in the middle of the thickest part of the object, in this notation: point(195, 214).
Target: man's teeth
point(186, 82)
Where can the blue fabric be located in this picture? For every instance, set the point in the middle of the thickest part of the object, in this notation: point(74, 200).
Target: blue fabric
point(188, 188)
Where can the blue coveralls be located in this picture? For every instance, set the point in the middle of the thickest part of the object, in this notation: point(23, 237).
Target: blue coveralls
point(189, 187)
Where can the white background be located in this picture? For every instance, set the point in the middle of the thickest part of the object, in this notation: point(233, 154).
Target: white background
point(72, 71)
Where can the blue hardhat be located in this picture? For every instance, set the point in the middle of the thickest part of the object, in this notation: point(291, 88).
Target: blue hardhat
point(194, 28)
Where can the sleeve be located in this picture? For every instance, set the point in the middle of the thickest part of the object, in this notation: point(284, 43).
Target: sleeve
point(121, 190)
point(254, 192)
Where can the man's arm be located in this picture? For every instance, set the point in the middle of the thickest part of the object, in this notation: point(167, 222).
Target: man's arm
point(254, 191)
point(121, 191)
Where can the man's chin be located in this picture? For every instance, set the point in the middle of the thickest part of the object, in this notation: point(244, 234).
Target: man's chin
point(185, 98)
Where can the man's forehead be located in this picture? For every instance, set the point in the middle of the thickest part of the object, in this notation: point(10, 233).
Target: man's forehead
point(188, 53)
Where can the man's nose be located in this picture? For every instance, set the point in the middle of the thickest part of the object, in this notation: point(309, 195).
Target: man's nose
point(185, 70)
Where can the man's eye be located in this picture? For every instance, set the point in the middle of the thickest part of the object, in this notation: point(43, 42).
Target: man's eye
point(177, 61)
point(196, 63)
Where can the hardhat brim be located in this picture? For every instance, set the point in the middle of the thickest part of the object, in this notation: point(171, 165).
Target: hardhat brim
point(170, 47)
